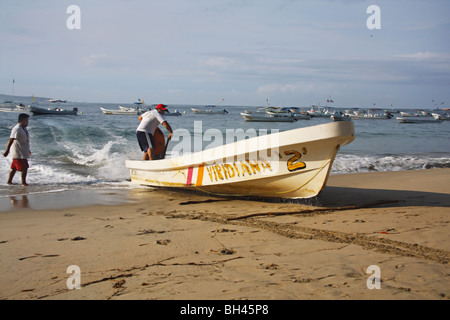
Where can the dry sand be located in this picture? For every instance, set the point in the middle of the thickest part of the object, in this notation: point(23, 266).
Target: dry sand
point(172, 246)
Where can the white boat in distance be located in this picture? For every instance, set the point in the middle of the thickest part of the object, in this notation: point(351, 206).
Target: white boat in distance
point(370, 115)
point(266, 117)
point(321, 112)
point(339, 116)
point(291, 164)
point(209, 110)
point(15, 109)
point(128, 108)
point(268, 114)
point(418, 120)
point(441, 116)
point(415, 114)
point(121, 111)
point(298, 114)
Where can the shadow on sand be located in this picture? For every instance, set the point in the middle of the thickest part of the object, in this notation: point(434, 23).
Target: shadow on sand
point(344, 196)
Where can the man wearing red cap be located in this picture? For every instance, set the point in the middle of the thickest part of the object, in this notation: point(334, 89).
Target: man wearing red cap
point(149, 122)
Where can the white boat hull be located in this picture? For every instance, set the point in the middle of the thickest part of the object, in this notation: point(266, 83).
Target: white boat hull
point(369, 117)
point(120, 112)
point(14, 110)
point(418, 120)
point(291, 164)
point(264, 117)
point(299, 116)
point(340, 118)
point(197, 111)
point(443, 117)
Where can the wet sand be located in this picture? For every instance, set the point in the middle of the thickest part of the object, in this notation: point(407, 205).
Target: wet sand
point(165, 245)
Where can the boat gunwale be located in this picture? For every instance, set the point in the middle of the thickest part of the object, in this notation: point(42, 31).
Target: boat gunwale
point(341, 129)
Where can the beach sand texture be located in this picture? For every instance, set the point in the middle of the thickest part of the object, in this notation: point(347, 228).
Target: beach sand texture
point(170, 245)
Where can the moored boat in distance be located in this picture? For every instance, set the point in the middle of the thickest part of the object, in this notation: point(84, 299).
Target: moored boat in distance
point(319, 112)
point(175, 113)
point(441, 116)
point(415, 114)
point(121, 111)
point(290, 164)
point(298, 114)
point(269, 114)
point(38, 111)
point(339, 116)
point(418, 120)
point(20, 108)
point(210, 109)
point(370, 115)
point(265, 117)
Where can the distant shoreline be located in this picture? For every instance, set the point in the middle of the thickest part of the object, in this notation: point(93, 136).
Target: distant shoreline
point(28, 100)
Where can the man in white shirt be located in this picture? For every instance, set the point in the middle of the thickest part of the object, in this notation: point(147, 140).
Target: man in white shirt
point(145, 131)
point(19, 145)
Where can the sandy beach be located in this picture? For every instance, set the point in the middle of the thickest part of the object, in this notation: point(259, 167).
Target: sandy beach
point(165, 245)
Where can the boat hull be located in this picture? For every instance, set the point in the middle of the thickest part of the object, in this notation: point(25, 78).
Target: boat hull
point(253, 117)
point(14, 110)
point(418, 120)
point(52, 112)
point(120, 112)
point(197, 111)
point(291, 164)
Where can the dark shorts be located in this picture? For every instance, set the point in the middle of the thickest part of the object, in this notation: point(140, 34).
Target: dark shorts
point(20, 164)
point(145, 140)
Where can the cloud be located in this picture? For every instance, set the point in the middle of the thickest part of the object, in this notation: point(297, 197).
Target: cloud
point(284, 88)
point(94, 60)
point(218, 62)
point(430, 56)
point(103, 60)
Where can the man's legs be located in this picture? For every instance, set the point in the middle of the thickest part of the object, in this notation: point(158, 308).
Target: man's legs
point(24, 177)
point(11, 175)
point(19, 165)
point(149, 155)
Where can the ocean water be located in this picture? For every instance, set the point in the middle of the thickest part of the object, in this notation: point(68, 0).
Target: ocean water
point(88, 151)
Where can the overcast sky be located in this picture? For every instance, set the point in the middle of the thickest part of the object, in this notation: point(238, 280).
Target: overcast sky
point(292, 52)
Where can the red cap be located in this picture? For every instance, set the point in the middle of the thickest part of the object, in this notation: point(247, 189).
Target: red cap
point(162, 106)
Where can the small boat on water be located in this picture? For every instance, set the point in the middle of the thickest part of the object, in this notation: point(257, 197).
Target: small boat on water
point(291, 164)
point(121, 111)
point(38, 111)
point(298, 114)
point(127, 108)
point(418, 120)
point(319, 112)
point(209, 110)
point(339, 116)
point(266, 117)
point(268, 114)
point(288, 113)
point(20, 108)
point(370, 115)
point(176, 113)
point(415, 114)
point(441, 116)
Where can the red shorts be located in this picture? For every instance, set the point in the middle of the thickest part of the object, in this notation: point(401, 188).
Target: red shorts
point(19, 164)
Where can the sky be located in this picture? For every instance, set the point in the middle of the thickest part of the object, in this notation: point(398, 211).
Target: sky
point(231, 52)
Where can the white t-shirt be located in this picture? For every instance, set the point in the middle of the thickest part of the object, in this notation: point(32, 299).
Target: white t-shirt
point(150, 121)
point(20, 149)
